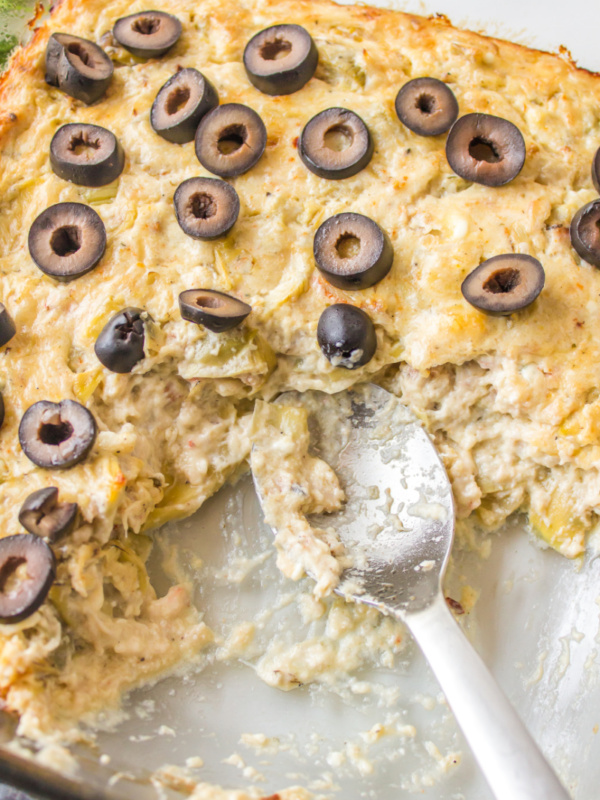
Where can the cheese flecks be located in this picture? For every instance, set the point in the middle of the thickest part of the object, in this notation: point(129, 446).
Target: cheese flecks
point(512, 403)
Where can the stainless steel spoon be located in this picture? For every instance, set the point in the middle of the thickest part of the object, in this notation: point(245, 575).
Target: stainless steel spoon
point(397, 525)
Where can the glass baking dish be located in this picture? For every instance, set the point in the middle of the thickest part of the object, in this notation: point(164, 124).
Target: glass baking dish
point(536, 624)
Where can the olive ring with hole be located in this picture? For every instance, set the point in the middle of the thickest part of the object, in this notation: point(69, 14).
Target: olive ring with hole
point(426, 106)
point(230, 140)
point(485, 149)
point(7, 326)
point(57, 435)
point(280, 59)
point(87, 155)
point(78, 67)
point(181, 103)
point(335, 144)
point(206, 208)
point(43, 515)
point(346, 336)
point(67, 240)
point(352, 251)
point(596, 171)
point(585, 233)
point(147, 34)
point(27, 571)
point(504, 284)
point(217, 311)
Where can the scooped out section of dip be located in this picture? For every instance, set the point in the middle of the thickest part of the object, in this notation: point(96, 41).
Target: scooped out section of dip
point(293, 484)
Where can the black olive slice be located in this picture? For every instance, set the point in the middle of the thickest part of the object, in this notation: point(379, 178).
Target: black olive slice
point(585, 232)
point(57, 435)
point(485, 149)
point(596, 171)
point(7, 326)
point(78, 67)
point(504, 284)
point(346, 335)
point(280, 59)
point(87, 155)
point(27, 571)
point(352, 251)
point(180, 105)
point(230, 140)
point(206, 208)
point(43, 515)
point(217, 311)
point(120, 344)
point(148, 34)
point(67, 240)
point(426, 106)
point(335, 144)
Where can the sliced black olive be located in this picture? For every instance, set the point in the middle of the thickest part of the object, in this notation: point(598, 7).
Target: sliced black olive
point(120, 344)
point(148, 34)
point(87, 155)
point(426, 106)
point(504, 284)
point(230, 140)
point(206, 208)
point(217, 311)
point(67, 240)
point(57, 435)
point(485, 149)
point(78, 67)
point(596, 171)
point(27, 571)
point(180, 105)
point(335, 144)
point(42, 514)
point(585, 232)
point(352, 251)
point(7, 326)
point(281, 59)
point(346, 335)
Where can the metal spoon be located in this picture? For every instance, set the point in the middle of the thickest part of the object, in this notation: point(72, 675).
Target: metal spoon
point(397, 525)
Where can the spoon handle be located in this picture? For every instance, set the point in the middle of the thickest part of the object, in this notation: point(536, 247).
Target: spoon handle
point(510, 760)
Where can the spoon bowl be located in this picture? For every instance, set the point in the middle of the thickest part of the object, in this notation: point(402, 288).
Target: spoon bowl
point(397, 529)
point(397, 523)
